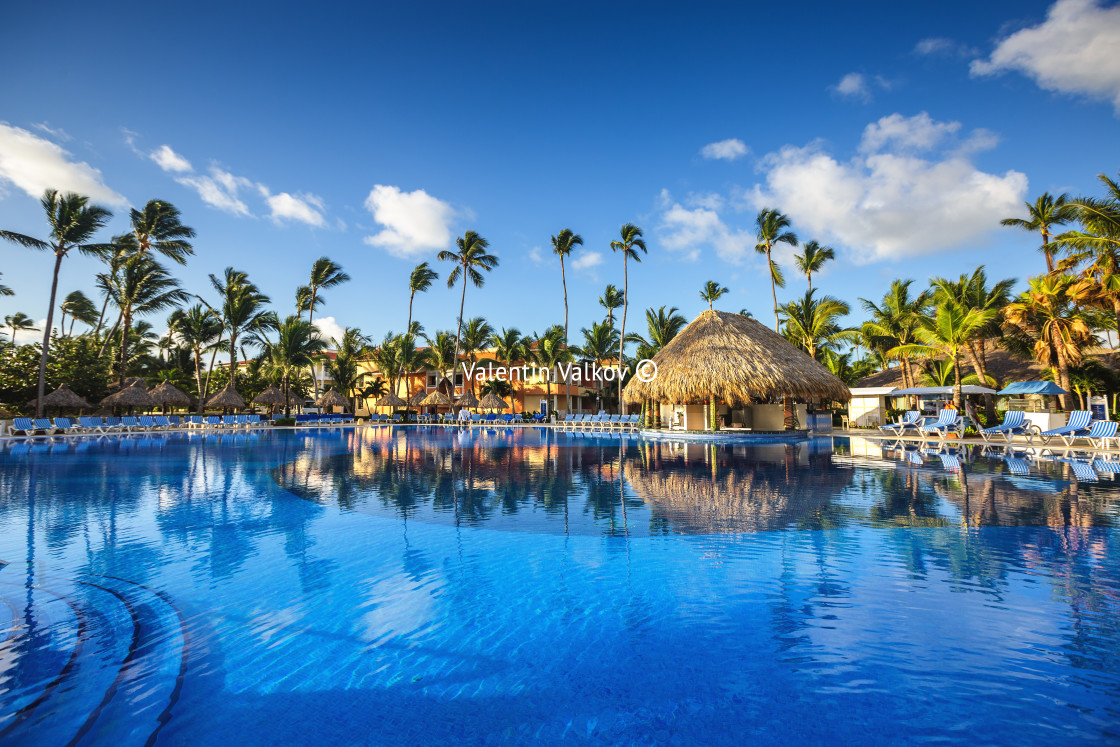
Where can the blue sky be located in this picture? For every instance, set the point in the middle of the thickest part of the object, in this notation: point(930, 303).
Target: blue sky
point(899, 134)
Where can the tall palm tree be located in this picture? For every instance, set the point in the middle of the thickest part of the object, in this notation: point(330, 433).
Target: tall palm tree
point(157, 229)
point(476, 335)
point(145, 288)
point(1046, 317)
point(562, 245)
point(197, 328)
point(1098, 246)
point(712, 292)
point(772, 228)
point(812, 258)
point(5, 290)
point(813, 323)
point(345, 370)
point(599, 343)
point(419, 281)
point(508, 347)
point(114, 257)
point(629, 242)
point(470, 262)
point(296, 345)
point(73, 223)
point(241, 307)
point(550, 352)
point(19, 322)
point(325, 273)
point(611, 299)
point(893, 321)
point(662, 326)
point(78, 306)
point(1043, 216)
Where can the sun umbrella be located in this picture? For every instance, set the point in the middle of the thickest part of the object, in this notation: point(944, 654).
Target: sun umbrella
point(270, 396)
point(64, 396)
point(131, 396)
point(492, 402)
point(331, 399)
point(169, 394)
point(417, 399)
point(227, 397)
point(435, 399)
point(390, 400)
point(467, 400)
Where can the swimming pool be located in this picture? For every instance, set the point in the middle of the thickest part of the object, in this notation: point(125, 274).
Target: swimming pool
point(419, 585)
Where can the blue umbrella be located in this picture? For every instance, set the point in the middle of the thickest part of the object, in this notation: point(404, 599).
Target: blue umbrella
point(1032, 387)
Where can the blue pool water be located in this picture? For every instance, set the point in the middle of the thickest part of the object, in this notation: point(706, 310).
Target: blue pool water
point(426, 585)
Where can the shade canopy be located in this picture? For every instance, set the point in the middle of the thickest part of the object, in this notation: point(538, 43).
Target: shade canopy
point(467, 400)
point(435, 399)
point(227, 397)
point(417, 399)
point(736, 359)
point(390, 400)
point(935, 391)
point(169, 394)
point(1032, 387)
point(131, 396)
point(331, 399)
point(493, 402)
point(270, 396)
point(64, 396)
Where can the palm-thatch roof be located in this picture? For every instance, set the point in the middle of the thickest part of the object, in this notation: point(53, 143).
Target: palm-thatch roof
point(417, 398)
point(435, 399)
point(134, 395)
point(734, 358)
point(270, 396)
point(227, 397)
point(64, 396)
point(467, 400)
point(169, 394)
point(492, 402)
point(331, 398)
point(390, 400)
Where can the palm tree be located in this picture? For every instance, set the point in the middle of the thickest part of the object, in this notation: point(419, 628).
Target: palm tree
point(144, 288)
point(893, 321)
point(662, 327)
point(114, 257)
point(242, 307)
point(476, 334)
point(325, 273)
point(1098, 245)
point(197, 328)
point(409, 359)
point(296, 345)
point(158, 229)
point(772, 228)
point(1043, 216)
point(946, 332)
point(5, 290)
point(1045, 317)
point(630, 240)
point(80, 309)
point(562, 245)
point(73, 223)
point(344, 370)
point(550, 352)
point(19, 322)
point(812, 258)
point(813, 323)
point(611, 299)
point(599, 343)
point(712, 292)
point(508, 346)
point(470, 262)
point(443, 356)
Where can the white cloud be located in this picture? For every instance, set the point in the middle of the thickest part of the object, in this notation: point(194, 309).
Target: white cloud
point(888, 201)
point(34, 164)
point(687, 230)
point(940, 46)
point(587, 260)
point(1073, 51)
point(726, 150)
point(415, 222)
point(853, 86)
point(535, 255)
point(24, 336)
point(329, 328)
point(55, 132)
point(220, 190)
point(709, 200)
point(305, 208)
point(169, 160)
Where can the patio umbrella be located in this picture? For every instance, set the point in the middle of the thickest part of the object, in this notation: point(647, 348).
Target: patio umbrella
point(227, 397)
point(331, 399)
point(467, 400)
point(417, 399)
point(130, 396)
point(169, 395)
point(390, 400)
point(435, 399)
point(270, 396)
point(492, 402)
point(64, 396)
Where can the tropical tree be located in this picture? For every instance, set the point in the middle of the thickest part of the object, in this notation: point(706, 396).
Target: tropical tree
point(629, 242)
point(5, 290)
point(325, 273)
point(241, 307)
point(772, 228)
point(1046, 317)
point(599, 343)
point(78, 306)
point(712, 292)
point(144, 288)
point(813, 323)
point(470, 262)
point(198, 328)
point(611, 299)
point(345, 370)
point(19, 322)
point(296, 345)
point(1047, 213)
point(893, 321)
point(419, 281)
point(562, 245)
point(550, 352)
point(812, 258)
point(476, 335)
point(508, 346)
point(115, 255)
point(73, 223)
point(443, 356)
point(1098, 248)
point(946, 332)
point(662, 326)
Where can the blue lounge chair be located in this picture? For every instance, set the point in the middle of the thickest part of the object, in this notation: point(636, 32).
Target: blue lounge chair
point(948, 421)
point(1075, 427)
point(1014, 424)
point(22, 427)
point(1108, 466)
point(65, 425)
point(148, 422)
point(92, 424)
point(44, 424)
point(212, 421)
point(1099, 435)
point(911, 420)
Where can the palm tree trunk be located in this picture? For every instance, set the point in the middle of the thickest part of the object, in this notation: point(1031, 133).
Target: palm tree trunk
point(1063, 376)
point(1046, 252)
point(109, 335)
point(310, 318)
point(210, 372)
point(46, 337)
point(958, 397)
point(101, 318)
point(125, 328)
point(773, 285)
point(809, 278)
point(198, 375)
point(567, 384)
point(459, 330)
point(622, 338)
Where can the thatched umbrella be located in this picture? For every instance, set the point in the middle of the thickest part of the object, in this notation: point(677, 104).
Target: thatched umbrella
point(227, 398)
point(467, 400)
point(436, 399)
point(130, 396)
point(736, 359)
point(492, 402)
point(272, 397)
point(331, 398)
point(417, 399)
point(390, 400)
point(64, 396)
point(169, 395)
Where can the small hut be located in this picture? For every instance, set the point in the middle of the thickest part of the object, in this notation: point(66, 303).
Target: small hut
point(436, 399)
point(272, 397)
point(167, 394)
point(62, 397)
point(331, 398)
point(467, 400)
point(725, 364)
point(134, 395)
point(492, 402)
point(227, 398)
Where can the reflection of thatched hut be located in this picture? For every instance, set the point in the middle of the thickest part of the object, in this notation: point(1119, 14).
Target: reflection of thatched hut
point(131, 396)
point(64, 396)
point(331, 398)
point(169, 395)
point(227, 398)
point(734, 359)
point(492, 402)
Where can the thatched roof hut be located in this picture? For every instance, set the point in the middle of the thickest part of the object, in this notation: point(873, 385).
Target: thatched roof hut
point(134, 395)
point(227, 397)
point(390, 400)
point(168, 394)
point(492, 402)
point(467, 400)
point(331, 398)
point(270, 396)
point(435, 399)
point(64, 396)
point(734, 358)
point(417, 399)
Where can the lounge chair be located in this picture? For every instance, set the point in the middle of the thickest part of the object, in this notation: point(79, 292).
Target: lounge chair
point(65, 425)
point(148, 422)
point(1099, 435)
point(1078, 425)
point(1014, 424)
point(635, 422)
point(911, 420)
point(22, 427)
point(161, 422)
point(45, 425)
point(114, 424)
point(92, 424)
point(948, 421)
point(212, 421)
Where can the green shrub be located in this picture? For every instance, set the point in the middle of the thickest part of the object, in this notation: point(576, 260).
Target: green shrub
point(284, 421)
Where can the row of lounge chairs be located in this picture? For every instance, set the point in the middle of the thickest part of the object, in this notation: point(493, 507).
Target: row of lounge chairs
point(912, 423)
point(324, 418)
point(95, 425)
point(601, 422)
point(1099, 433)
